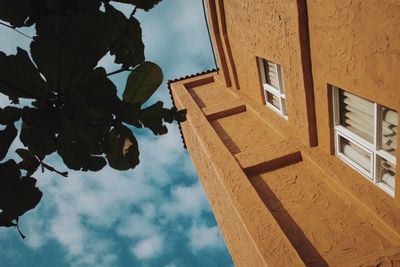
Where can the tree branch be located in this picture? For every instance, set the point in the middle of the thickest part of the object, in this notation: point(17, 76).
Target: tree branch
point(118, 71)
point(48, 167)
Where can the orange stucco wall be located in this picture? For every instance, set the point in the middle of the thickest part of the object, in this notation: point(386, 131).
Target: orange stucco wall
point(355, 45)
point(278, 193)
point(271, 30)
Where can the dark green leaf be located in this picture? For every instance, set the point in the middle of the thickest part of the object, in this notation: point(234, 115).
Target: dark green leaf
point(180, 116)
point(128, 113)
point(67, 49)
point(152, 118)
point(142, 83)
point(20, 78)
point(27, 155)
point(7, 136)
point(5, 220)
point(74, 148)
point(17, 194)
point(15, 12)
point(39, 140)
point(99, 90)
point(129, 50)
point(9, 115)
point(29, 161)
point(124, 151)
point(97, 116)
point(75, 104)
point(95, 163)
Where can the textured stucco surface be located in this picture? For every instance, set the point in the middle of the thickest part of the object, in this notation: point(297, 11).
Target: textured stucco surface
point(244, 131)
point(253, 236)
point(324, 227)
point(355, 45)
point(280, 198)
point(269, 29)
point(303, 212)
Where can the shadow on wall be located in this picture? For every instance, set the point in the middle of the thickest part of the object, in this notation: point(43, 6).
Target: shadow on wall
point(296, 236)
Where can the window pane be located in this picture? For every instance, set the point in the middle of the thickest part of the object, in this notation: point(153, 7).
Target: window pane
point(357, 115)
point(273, 99)
point(271, 74)
point(387, 172)
point(355, 153)
point(389, 130)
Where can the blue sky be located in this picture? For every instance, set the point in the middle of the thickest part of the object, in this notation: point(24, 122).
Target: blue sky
point(155, 215)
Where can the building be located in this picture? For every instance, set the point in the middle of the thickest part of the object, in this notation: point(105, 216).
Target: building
point(294, 137)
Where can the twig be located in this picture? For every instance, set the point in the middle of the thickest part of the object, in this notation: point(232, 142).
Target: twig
point(118, 71)
point(13, 28)
point(44, 165)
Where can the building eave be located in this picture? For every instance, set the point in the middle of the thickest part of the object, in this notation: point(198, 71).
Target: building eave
point(169, 82)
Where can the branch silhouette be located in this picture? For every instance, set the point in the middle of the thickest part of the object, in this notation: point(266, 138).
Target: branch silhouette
point(75, 111)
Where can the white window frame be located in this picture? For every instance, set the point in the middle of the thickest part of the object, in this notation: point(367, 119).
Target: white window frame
point(267, 88)
point(372, 148)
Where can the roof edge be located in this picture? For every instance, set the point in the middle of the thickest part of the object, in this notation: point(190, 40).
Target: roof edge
point(169, 82)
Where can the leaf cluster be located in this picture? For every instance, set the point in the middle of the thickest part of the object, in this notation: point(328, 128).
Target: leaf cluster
point(75, 110)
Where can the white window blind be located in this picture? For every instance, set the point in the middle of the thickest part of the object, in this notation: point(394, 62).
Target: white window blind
point(272, 75)
point(357, 115)
point(389, 130)
point(274, 95)
point(366, 137)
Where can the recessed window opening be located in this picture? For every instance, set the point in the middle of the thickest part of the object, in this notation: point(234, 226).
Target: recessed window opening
point(273, 88)
point(366, 137)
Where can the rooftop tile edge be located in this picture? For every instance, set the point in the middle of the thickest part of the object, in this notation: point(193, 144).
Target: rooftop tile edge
point(169, 82)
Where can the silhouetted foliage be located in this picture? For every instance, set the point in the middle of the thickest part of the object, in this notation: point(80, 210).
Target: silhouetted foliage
point(75, 110)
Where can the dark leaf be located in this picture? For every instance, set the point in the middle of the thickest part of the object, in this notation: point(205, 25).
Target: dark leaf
point(52, 4)
point(68, 147)
point(5, 220)
point(67, 49)
point(29, 161)
point(17, 194)
point(128, 113)
point(152, 118)
point(7, 136)
point(99, 90)
point(74, 148)
point(124, 151)
point(180, 116)
point(9, 115)
point(27, 155)
point(129, 50)
point(38, 130)
point(98, 116)
point(15, 12)
point(142, 4)
point(75, 104)
point(142, 83)
point(39, 140)
point(20, 78)
point(95, 163)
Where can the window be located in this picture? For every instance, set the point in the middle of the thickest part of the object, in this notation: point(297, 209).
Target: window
point(366, 137)
point(273, 86)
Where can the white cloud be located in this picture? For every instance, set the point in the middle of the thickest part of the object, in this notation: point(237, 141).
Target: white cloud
point(136, 226)
point(84, 212)
point(204, 237)
point(148, 248)
point(186, 201)
point(81, 206)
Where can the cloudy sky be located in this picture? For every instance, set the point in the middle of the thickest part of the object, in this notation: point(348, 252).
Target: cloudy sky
point(155, 215)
